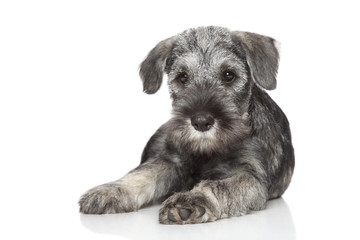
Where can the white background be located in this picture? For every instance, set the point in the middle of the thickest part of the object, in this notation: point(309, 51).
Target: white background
point(73, 114)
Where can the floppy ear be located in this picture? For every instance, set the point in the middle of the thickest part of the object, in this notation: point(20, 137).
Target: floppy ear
point(152, 68)
point(262, 55)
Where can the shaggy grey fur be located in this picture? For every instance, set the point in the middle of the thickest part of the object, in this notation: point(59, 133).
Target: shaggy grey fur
point(227, 148)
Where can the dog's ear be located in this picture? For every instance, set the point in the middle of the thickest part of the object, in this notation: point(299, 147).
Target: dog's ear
point(152, 68)
point(262, 55)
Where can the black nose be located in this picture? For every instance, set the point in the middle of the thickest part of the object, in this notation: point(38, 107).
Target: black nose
point(202, 122)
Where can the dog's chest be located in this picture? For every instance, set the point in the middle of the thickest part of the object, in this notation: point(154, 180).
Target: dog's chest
point(207, 168)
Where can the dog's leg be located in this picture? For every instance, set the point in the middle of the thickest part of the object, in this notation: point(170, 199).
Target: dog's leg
point(215, 199)
point(150, 181)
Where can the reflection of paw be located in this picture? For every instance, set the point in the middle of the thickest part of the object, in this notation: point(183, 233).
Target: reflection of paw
point(185, 208)
point(104, 199)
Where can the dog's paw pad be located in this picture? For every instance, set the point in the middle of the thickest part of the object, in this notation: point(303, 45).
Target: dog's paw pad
point(173, 217)
point(184, 213)
point(184, 208)
point(178, 215)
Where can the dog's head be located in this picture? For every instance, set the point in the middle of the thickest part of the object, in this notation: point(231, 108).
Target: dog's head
point(211, 72)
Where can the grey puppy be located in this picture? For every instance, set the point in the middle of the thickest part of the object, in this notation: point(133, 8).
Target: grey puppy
point(226, 150)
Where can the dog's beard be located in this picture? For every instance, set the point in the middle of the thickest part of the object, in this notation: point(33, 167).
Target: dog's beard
point(224, 134)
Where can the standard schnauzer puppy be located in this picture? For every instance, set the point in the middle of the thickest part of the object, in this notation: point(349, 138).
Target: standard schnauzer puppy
point(226, 150)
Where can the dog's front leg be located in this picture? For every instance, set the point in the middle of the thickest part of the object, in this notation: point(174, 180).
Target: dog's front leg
point(215, 199)
point(150, 181)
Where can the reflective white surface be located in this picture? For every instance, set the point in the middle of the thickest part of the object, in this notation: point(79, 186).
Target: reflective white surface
point(273, 223)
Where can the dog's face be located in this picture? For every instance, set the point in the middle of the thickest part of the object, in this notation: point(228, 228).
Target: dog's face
point(211, 72)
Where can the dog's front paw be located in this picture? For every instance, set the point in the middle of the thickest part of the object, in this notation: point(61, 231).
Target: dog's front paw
point(106, 199)
point(188, 208)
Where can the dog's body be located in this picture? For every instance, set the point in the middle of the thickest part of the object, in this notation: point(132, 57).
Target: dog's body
point(227, 149)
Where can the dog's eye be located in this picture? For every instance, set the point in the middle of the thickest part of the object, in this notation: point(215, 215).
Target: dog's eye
point(183, 78)
point(228, 76)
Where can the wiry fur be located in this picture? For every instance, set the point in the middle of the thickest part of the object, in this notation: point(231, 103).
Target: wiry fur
point(245, 157)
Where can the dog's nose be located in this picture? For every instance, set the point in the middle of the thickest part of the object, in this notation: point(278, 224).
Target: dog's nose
point(202, 122)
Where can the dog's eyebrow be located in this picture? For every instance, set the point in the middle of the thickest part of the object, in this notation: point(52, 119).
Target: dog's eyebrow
point(226, 66)
point(182, 68)
point(233, 64)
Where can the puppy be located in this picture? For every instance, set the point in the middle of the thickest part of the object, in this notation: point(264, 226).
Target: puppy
point(226, 150)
